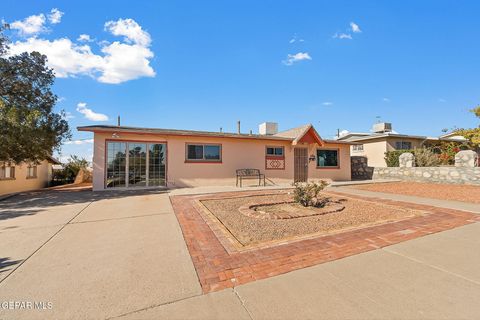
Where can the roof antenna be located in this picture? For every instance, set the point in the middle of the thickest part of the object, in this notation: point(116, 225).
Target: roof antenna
point(118, 121)
point(238, 126)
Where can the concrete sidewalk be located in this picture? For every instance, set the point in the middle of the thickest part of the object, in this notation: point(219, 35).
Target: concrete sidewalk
point(434, 277)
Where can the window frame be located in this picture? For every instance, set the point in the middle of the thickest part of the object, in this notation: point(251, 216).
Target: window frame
point(34, 167)
point(328, 167)
point(401, 142)
point(358, 148)
point(127, 141)
point(203, 160)
point(12, 172)
point(282, 156)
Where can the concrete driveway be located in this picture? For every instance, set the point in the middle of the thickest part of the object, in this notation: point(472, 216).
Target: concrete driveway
point(92, 255)
point(108, 255)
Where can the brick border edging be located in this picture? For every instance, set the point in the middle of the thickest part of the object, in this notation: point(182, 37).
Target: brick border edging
point(218, 269)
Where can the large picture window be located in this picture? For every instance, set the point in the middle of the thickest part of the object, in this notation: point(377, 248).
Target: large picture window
point(135, 164)
point(327, 158)
point(204, 152)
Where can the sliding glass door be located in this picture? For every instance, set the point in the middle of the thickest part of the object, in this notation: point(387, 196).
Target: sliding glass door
point(157, 164)
point(135, 164)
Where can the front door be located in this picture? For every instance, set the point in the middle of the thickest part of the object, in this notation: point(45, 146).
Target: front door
point(300, 165)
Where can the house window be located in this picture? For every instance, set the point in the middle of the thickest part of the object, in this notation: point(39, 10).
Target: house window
point(31, 171)
point(403, 145)
point(357, 147)
point(135, 164)
point(7, 172)
point(327, 158)
point(204, 152)
point(275, 151)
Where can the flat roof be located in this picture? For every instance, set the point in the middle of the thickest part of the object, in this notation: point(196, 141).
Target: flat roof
point(176, 132)
point(399, 135)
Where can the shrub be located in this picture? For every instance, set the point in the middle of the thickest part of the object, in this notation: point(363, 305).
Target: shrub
point(426, 158)
point(391, 157)
point(308, 195)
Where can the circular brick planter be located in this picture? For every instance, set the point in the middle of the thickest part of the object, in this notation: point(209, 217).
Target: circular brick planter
point(254, 211)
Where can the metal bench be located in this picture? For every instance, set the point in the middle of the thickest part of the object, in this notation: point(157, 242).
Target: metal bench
point(250, 174)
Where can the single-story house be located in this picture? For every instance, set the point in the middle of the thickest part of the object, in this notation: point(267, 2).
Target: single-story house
point(126, 157)
point(25, 176)
point(382, 138)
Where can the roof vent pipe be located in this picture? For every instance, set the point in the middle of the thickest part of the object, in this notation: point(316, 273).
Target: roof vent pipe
point(238, 126)
point(118, 121)
point(221, 129)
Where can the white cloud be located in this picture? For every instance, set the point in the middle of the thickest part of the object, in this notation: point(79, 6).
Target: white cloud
point(90, 114)
point(84, 38)
point(117, 63)
point(130, 29)
point(342, 36)
point(80, 141)
point(355, 27)
point(386, 100)
point(292, 58)
point(441, 100)
point(327, 103)
point(31, 25)
point(55, 16)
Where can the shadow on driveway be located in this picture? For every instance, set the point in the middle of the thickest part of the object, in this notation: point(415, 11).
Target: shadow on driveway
point(30, 203)
point(5, 263)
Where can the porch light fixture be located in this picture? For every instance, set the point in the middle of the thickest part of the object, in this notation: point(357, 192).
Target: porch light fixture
point(311, 158)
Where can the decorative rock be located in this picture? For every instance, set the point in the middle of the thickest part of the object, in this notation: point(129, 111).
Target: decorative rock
point(406, 160)
point(466, 158)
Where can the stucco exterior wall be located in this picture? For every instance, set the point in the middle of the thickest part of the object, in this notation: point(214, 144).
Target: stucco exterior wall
point(21, 183)
point(416, 143)
point(236, 154)
point(374, 151)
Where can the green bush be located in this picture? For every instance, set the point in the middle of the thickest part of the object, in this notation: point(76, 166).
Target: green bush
point(424, 157)
point(391, 157)
point(308, 195)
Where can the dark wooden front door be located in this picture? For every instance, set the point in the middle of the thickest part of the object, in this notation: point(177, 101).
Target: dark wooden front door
point(301, 165)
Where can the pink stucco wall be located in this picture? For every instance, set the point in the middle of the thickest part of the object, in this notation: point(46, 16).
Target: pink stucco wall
point(236, 154)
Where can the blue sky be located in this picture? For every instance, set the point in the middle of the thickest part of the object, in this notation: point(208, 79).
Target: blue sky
point(206, 64)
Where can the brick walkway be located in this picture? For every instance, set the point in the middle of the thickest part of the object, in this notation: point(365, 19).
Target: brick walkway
point(219, 266)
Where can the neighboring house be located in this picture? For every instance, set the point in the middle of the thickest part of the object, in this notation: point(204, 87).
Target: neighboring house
point(25, 176)
point(126, 157)
point(373, 145)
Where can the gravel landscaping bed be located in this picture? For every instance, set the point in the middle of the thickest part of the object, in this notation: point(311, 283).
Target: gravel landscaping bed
point(249, 230)
point(465, 193)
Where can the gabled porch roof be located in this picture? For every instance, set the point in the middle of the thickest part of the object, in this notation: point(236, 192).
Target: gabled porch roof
point(302, 134)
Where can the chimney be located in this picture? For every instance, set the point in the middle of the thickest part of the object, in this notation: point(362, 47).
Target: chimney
point(118, 121)
point(238, 126)
point(268, 128)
